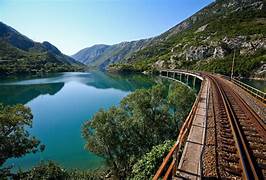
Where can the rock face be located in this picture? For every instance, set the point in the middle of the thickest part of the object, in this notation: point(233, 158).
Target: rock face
point(219, 52)
point(159, 64)
point(245, 45)
point(202, 28)
point(220, 48)
point(261, 72)
point(199, 53)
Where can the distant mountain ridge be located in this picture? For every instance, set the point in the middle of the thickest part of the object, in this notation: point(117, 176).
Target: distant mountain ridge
point(205, 41)
point(103, 55)
point(20, 54)
point(90, 54)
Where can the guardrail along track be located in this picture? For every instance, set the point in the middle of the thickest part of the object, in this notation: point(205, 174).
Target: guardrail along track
point(253, 91)
point(241, 141)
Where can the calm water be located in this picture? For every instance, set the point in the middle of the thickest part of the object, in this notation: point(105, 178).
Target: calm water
point(60, 104)
point(259, 84)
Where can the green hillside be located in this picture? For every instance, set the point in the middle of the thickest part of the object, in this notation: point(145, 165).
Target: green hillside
point(207, 41)
point(21, 55)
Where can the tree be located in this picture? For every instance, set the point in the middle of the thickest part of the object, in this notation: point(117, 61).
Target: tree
point(15, 139)
point(123, 134)
point(105, 137)
point(150, 116)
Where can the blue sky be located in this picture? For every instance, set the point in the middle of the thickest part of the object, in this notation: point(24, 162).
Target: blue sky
point(75, 24)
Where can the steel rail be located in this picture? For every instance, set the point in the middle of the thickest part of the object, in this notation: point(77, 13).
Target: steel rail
point(249, 170)
point(247, 162)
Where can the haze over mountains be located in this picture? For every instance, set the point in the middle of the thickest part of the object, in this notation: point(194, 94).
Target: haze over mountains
point(20, 54)
point(204, 41)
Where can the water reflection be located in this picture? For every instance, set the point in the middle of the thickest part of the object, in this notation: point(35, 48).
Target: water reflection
point(125, 83)
point(14, 94)
point(23, 91)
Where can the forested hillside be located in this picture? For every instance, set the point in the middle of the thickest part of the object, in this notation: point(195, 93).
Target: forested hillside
point(21, 55)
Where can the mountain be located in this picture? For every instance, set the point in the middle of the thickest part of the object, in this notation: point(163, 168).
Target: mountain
point(103, 55)
point(207, 41)
point(19, 54)
point(90, 54)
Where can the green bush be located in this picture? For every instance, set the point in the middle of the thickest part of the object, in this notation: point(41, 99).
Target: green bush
point(146, 167)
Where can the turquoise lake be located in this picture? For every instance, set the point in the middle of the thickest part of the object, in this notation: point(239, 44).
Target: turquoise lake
point(61, 103)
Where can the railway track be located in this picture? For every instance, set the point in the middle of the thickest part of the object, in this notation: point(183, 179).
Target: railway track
point(240, 135)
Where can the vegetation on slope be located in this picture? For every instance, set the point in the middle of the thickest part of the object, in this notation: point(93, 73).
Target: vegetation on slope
point(16, 61)
point(147, 166)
